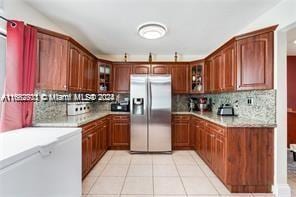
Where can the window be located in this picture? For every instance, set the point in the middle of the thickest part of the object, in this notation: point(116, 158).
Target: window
point(2, 63)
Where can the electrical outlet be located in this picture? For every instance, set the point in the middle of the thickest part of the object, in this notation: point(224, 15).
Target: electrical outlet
point(250, 101)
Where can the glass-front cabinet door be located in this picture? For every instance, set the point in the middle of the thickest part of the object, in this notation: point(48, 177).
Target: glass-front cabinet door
point(104, 76)
point(197, 77)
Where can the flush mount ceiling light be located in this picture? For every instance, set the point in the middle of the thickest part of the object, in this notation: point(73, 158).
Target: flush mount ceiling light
point(294, 42)
point(152, 30)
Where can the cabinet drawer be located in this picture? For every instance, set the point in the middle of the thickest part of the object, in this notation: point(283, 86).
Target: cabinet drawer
point(181, 117)
point(86, 128)
point(121, 117)
point(215, 128)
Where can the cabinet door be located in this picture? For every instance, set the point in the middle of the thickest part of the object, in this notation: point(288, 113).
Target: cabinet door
point(229, 68)
point(209, 146)
point(180, 78)
point(83, 72)
point(181, 132)
point(74, 64)
point(85, 155)
point(120, 133)
point(160, 69)
point(255, 62)
point(141, 69)
point(217, 73)
point(52, 62)
point(219, 156)
point(104, 137)
point(121, 78)
point(197, 136)
point(93, 137)
point(92, 76)
point(208, 75)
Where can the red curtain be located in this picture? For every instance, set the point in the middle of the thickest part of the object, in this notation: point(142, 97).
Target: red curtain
point(20, 75)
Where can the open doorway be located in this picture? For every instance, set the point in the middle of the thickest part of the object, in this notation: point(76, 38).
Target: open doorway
point(291, 93)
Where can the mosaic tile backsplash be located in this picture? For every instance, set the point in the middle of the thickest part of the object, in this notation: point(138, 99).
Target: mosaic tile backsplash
point(263, 107)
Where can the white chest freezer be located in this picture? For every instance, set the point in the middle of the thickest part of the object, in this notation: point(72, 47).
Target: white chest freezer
point(37, 162)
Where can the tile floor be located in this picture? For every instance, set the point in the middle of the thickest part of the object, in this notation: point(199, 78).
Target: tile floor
point(180, 174)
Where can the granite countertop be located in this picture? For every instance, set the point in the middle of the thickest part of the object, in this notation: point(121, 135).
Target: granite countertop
point(229, 121)
point(79, 120)
point(74, 121)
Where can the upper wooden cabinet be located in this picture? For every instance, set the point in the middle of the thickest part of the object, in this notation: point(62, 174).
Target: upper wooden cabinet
point(197, 77)
point(228, 68)
point(141, 68)
point(180, 77)
point(104, 76)
point(63, 64)
point(52, 62)
point(121, 77)
point(243, 63)
point(160, 69)
point(255, 62)
point(217, 73)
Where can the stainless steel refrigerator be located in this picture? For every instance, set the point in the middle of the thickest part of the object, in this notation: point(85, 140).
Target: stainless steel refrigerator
point(151, 106)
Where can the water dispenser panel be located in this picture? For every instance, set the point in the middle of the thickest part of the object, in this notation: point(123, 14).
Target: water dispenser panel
point(138, 106)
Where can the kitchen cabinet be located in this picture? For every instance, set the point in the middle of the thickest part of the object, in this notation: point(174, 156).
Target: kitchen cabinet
point(197, 77)
point(217, 73)
point(121, 78)
point(228, 68)
point(91, 76)
point(229, 150)
point(52, 60)
point(94, 143)
point(104, 77)
point(181, 132)
point(120, 132)
point(63, 64)
point(160, 69)
point(255, 61)
point(208, 75)
point(180, 78)
point(141, 68)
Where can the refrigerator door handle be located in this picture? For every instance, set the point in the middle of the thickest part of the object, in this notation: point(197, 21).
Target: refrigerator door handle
point(150, 100)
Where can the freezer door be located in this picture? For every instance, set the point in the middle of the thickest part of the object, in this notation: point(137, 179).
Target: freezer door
point(159, 113)
point(138, 104)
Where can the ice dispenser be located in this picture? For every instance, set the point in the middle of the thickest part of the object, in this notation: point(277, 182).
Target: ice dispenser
point(138, 106)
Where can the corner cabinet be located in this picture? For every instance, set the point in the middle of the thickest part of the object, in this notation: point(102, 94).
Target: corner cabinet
point(63, 64)
point(255, 62)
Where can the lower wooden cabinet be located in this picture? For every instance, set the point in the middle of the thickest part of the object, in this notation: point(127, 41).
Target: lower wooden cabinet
point(94, 143)
point(242, 158)
point(181, 132)
point(120, 132)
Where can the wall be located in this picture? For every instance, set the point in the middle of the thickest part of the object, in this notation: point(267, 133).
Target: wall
point(291, 81)
point(19, 10)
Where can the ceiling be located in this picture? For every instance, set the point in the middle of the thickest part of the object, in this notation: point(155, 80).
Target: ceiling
point(195, 27)
point(291, 37)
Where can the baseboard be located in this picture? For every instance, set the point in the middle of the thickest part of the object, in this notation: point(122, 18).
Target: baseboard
point(281, 190)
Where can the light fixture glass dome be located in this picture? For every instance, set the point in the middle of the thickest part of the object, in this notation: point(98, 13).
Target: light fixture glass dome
point(152, 30)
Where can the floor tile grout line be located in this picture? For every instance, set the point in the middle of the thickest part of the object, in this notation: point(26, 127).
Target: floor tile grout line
point(97, 177)
point(180, 177)
point(120, 193)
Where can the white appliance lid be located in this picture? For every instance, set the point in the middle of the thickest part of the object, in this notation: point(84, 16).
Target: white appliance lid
point(21, 143)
